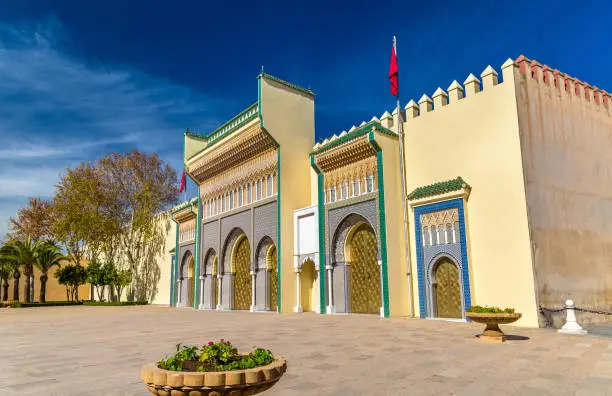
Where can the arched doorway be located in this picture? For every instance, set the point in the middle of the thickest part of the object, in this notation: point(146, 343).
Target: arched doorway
point(215, 284)
point(190, 282)
point(446, 290)
point(361, 255)
point(241, 267)
point(272, 278)
point(185, 281)
point(307, 280)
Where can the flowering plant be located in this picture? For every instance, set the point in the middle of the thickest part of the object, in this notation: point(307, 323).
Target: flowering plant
point(487, 309)
point(214, 356)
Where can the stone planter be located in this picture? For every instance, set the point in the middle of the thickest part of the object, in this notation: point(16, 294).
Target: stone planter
point(492, 332)
point(235, 383)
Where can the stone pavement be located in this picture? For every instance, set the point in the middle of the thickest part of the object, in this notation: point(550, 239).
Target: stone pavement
point(99, 351)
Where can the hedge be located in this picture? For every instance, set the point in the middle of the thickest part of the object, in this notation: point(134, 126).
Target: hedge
point(114, 303)
point(64, 303)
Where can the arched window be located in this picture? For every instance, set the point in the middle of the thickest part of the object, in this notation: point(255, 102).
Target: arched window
point(448, 233)
point(249, 193)
point(269, 186)
point(223, 203)
point(344, 191)
point(425, 236)
point(437, 240)
point(456, 232)
point(240, 201)
point(231, 206)
point(259, 188)
point(370, 183)
point(332, 194)
point(356, 187)
point(430, 234)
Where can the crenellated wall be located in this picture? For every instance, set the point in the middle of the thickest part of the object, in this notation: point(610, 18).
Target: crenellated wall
point(471, 130)
point(566, 138)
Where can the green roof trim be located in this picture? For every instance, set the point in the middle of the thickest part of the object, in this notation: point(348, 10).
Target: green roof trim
point(362, 130)
point(184, 205)
point(245, 116)
point(287, 84)
point(439, 188)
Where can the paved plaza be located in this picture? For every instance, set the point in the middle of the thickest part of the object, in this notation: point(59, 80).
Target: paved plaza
point(99, 351)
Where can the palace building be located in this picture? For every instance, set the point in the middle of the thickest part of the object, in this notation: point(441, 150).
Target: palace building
point(508, 202)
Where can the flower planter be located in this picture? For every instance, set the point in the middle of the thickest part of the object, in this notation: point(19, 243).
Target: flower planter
point(492, 332)
point(220, 383)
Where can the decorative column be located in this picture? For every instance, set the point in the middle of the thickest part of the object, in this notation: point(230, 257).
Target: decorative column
point(382, 305)
point(179, 302)
point(201, 306)
point(298, 288)
point(220, 291)
point(253, 284)
point(330, 295)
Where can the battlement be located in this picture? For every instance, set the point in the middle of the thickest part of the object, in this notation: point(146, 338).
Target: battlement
point(563, 82)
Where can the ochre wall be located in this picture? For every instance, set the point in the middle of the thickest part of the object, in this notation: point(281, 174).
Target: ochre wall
point(288, 115)
point(396, 252)
point(165, 263)
point(566, 135)
point(54, 291)
point(477, 138)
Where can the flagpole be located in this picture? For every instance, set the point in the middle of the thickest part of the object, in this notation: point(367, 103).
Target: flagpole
point(400, 130)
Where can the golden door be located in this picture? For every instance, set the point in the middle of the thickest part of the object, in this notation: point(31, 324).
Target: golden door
point(273, 274)
point(365, 274)
point(447, 293)
point(242, 284)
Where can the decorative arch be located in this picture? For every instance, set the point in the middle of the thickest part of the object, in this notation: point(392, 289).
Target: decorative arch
point(430, 272)
point(261, 254)
point(348, 251)
point(338, 248)
point(184, 268)
point(228, 248)
point(242, 238)
point(209, 258)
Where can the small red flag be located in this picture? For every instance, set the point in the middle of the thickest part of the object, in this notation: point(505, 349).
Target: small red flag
point(183, 184)
point(393, 71)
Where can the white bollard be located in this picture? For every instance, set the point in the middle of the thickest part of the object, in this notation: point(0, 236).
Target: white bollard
point(571, 326)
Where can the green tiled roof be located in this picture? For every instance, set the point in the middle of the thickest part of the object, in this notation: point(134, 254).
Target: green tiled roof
point(173, 250)
point(236, 122)
point(184, 205)
point(287, 84)
point(362, 130)
point(439, 188)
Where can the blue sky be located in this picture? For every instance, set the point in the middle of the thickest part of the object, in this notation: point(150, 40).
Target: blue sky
point(79, 79)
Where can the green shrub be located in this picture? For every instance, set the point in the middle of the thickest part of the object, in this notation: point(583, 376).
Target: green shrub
point(487, 309)
point(114, 303)
point(215, 356)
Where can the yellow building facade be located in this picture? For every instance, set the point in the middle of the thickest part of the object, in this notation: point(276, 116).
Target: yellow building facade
point(282, 224)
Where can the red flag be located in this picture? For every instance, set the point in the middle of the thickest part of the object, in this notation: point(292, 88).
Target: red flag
point(393, 71)
point(183, 184)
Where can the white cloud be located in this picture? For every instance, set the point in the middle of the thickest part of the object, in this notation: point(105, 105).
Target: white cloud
point(57, 110)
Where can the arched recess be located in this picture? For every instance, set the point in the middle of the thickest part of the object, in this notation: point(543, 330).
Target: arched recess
point(209, 280)
point(266, 275)
point(186, 280)
point(445, 288)
point(308, 276)
point(355, 251)
point(241, 269)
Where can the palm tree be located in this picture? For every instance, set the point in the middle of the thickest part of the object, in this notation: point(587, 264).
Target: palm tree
point(8, 268)
point(47, 257)
point(24, 253)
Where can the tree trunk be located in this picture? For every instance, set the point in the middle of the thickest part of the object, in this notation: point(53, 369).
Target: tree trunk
point(32, 286)
point(26, 288)
point(43, 287)
point(5, 287)
point(67, 294)
point(16, 277)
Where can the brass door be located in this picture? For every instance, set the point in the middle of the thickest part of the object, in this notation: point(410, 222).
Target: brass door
point(447, 293)
point(242, 285)
point(365, 275)
point(273, 280)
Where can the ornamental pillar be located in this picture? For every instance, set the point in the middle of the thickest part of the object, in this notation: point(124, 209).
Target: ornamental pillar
point(253, 284)
point(330, 296)
point(298, 288)
point(201, 306)
point(220, 292)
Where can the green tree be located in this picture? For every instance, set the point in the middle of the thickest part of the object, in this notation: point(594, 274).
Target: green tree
point(7, 270)
point(48, 257)
point(24, 253)
point(143, 186)
point(119, 279)
point(71, 276)
point(100, 275)
point(82, 209)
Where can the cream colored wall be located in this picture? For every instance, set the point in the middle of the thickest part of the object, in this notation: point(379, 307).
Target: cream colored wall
point(165, 263)
point(399, 300)
point(288, 115)
point(477, 138)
